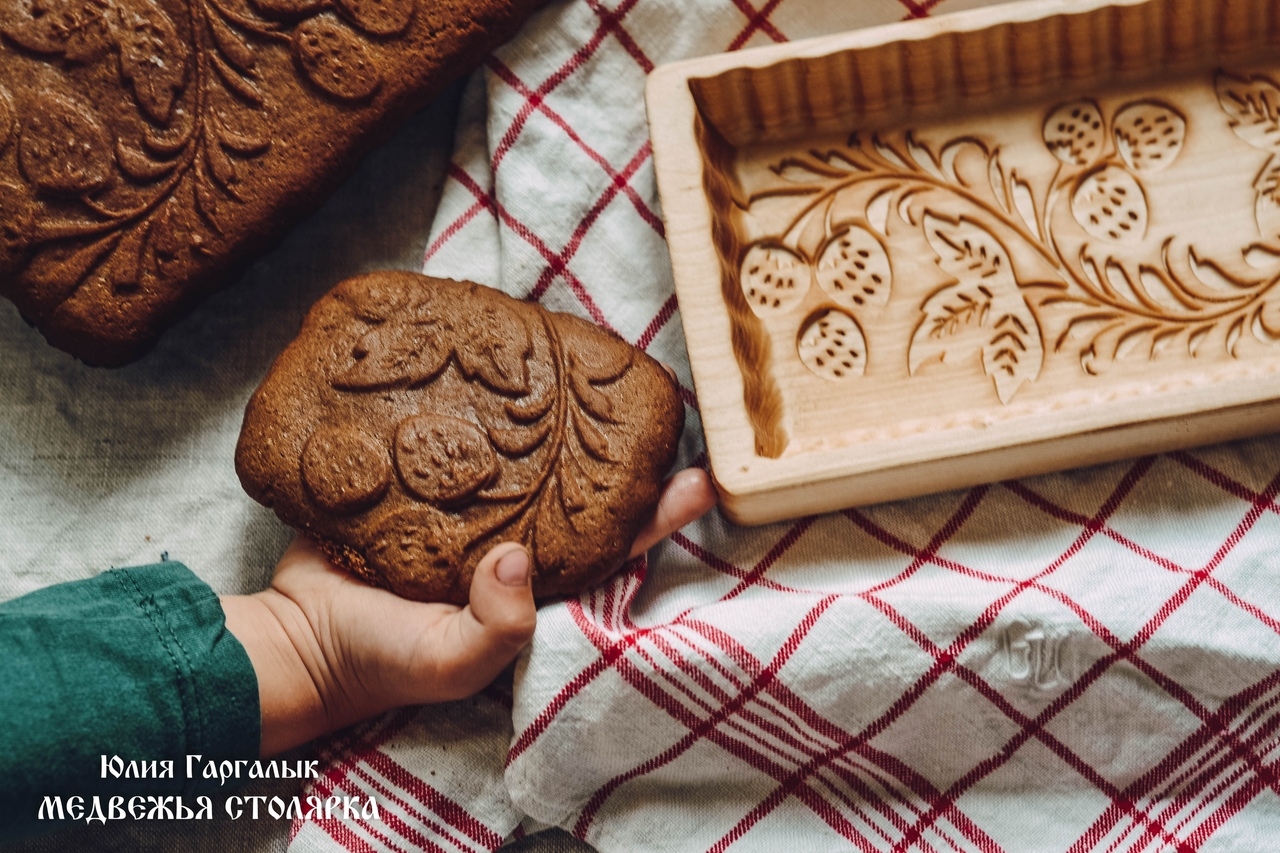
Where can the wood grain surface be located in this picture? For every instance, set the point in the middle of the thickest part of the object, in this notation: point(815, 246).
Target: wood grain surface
point(954, 251)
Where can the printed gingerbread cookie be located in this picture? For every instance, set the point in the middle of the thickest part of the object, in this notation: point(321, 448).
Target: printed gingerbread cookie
point(416, 422)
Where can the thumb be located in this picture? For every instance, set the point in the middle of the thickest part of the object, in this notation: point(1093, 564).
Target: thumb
point(497, 623)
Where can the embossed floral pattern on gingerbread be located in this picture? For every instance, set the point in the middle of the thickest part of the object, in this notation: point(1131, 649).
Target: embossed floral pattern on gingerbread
point(417, 422)
point(144, 144)
point(1097, 235)
point(133, 195)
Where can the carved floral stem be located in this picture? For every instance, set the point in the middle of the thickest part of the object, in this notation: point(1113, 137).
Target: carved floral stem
point(1051, 253)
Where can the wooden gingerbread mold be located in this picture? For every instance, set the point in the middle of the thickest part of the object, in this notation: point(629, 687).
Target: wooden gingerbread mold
point(947, 252)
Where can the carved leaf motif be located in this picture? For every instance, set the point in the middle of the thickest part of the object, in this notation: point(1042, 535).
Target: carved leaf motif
point(1267, 207)
point(335, 59)
point(983, 311)
point(237, 83)
point(593, 441)
point(560, 434)
point(595, 363)
point(64, 147)
point(396, 354)
point(1253, 103)
point(240, 143)
point(572, 498)
point(378, 17)
point(123, 270)
point(923, 157)
point(152, 57)
point(531, 410)
point(58, 272)
point(549, 522)
point(806, 170)
point(590, 398)
point(231, 45)
point(221, 167)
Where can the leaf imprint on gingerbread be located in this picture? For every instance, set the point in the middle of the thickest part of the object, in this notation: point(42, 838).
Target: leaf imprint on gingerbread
point(493, 345)
point(152, 57)
point(396, 354)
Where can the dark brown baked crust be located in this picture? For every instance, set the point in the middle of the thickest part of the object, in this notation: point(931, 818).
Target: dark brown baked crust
point(416, 422)
point(149, 148)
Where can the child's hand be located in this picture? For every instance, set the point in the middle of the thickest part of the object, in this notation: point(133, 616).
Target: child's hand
point(330, 650)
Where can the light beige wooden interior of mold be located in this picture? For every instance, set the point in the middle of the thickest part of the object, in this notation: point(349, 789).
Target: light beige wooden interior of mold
point(951, 251)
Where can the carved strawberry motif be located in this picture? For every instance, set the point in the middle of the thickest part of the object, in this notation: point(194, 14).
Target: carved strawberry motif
point(335, 59)
point(1149, 135)
point(853, 268)
point(832, 345)
point(1109, 204)
point(1074, 133)
point(63, 147)
point(774, 279)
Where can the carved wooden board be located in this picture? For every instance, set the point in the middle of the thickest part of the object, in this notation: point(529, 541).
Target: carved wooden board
point(150, 147)
point(995, 244)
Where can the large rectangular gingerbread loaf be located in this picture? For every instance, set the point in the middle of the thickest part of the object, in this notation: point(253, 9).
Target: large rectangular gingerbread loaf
point(148, 148)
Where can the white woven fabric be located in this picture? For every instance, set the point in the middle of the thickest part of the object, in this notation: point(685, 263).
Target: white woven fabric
point(1074, 662)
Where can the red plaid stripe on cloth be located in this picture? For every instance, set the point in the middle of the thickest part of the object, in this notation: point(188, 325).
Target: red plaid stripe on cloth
point(1082, 662)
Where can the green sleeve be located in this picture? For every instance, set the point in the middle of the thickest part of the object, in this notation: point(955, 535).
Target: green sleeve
point(135, 663)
